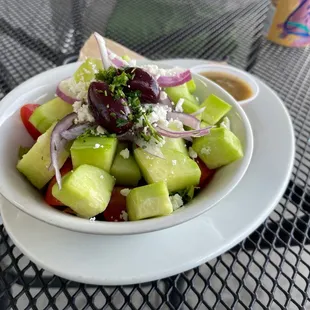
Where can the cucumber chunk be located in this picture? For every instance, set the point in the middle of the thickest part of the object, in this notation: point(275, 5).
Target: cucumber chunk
point(176, 169)
point(86, 190)
point(219, 148)
point(175, 93)
point(34, 165)
point(87, 70)
point(95, 151)
point(48, 113)
point(204, 124)
point(225, 123)
point(177, 144)
point(125, 170)
point(148, 201)
point(191, 86)
point(126, 58)
point(215, 109)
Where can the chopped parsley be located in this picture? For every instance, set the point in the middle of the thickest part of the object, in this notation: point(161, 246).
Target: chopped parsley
point(106, 75)
point(92, 132)
point(187, 193)
point(22, 151)
point(120, 122)
point(152, 130)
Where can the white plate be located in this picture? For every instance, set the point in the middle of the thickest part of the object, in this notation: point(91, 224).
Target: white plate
point(117, 260)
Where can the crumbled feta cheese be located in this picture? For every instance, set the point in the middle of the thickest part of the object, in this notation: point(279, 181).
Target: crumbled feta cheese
point(163, 95)
point(83, 113)
point(96, 146)
point(157, 72)
point(132, 63)
point(158, 115)
point(205, 151)
point(94, 68)
point(125, 191)
point(176, 201)
point(225, 123)
point(192, 153)
point(174, 162)
point(152, 146)
point(100, 130)
point(124, 153)
point(179, 107)
point(76, 90)
point(124, 216)
point(92, 219)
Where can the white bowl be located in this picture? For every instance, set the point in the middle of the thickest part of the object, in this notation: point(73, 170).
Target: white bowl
point(15, 188)
point(246, 77)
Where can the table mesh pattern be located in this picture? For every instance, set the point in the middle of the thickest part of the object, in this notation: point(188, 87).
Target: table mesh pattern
point(268, 270)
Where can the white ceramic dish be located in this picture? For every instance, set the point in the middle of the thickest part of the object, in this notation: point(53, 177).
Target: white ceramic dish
point(248, 78)
point(120, 260)
point(19, 192)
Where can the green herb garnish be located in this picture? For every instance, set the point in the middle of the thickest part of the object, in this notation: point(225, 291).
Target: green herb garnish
point(120, 122)
point(23, 150)
point(152, 130)
point(106, 75)
point(187, 193)
point(92, 132)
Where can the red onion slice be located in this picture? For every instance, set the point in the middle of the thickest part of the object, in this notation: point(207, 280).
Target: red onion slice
point(116, 60)
point(58, 143)
point(186, 119)
point(63, 92)
point(103, 50)
point(175, 80)
point(75, 131)
point(182, 134)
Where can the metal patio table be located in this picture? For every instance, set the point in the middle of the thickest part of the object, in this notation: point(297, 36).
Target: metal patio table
point(268, 270)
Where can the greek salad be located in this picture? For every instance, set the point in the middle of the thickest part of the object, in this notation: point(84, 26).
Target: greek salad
point(122, 141)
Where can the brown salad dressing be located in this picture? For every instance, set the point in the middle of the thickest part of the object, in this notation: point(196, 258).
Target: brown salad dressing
point(235, 86)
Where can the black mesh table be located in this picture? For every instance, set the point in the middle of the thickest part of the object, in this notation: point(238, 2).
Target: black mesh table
point(268, 270)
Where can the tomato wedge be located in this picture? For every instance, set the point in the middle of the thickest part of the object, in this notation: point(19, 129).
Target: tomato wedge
point(25, 113)
point(206, 173)
point(49, 198)
point(116, 208)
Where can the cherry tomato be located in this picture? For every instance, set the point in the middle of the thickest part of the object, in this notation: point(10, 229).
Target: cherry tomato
point(206, 173)
point(116, 207)
point(25, 113)
point(49, 198)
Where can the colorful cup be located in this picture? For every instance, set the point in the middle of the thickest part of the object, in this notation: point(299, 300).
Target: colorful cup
point(291, 23)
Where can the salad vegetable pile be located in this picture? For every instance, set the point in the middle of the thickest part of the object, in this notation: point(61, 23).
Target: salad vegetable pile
point(125, 142)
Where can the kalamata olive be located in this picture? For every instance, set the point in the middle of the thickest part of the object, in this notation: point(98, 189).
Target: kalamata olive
point(110, 113)
point(144, 82)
